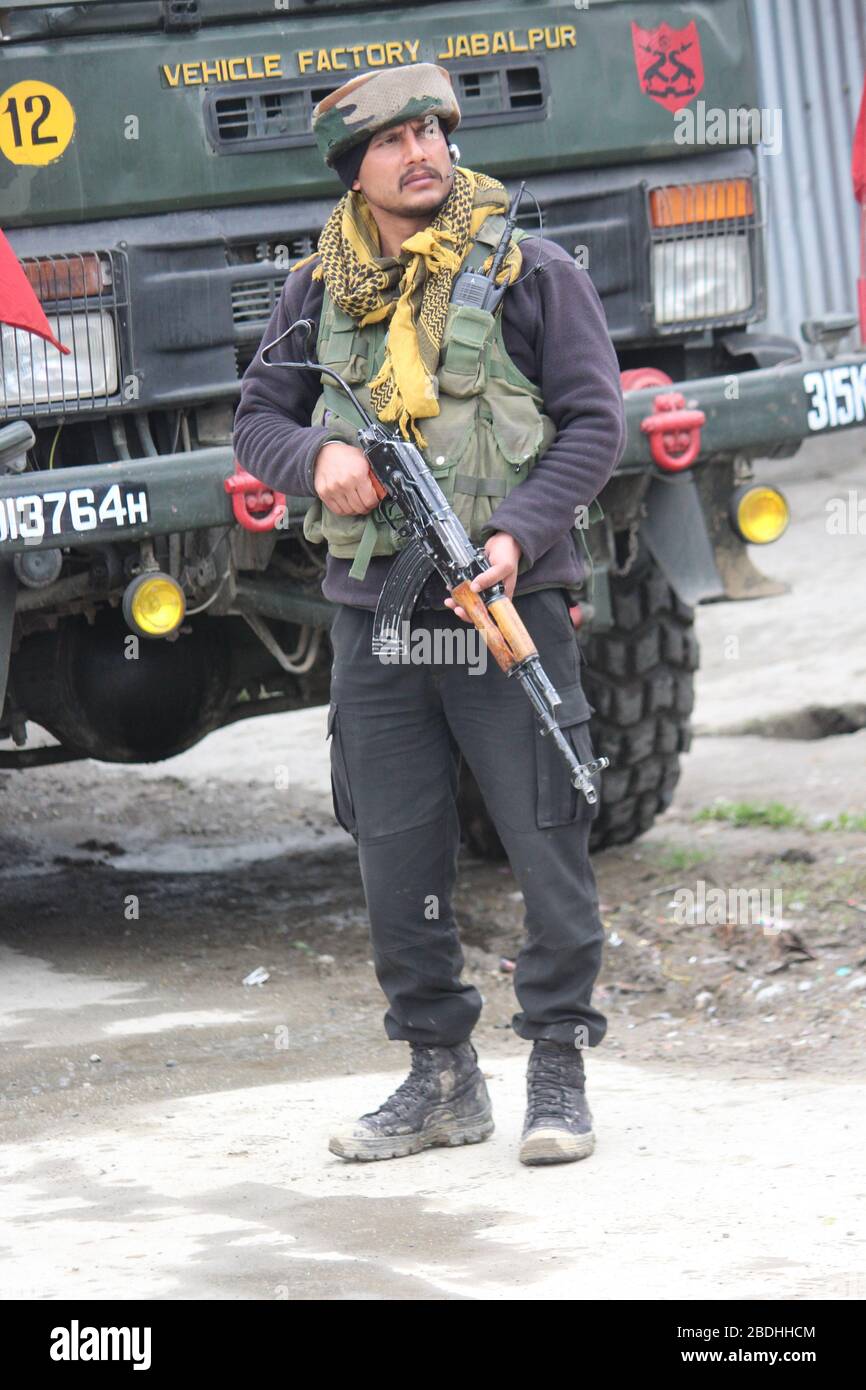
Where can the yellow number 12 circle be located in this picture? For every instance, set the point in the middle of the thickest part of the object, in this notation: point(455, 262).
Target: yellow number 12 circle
point(36, 123)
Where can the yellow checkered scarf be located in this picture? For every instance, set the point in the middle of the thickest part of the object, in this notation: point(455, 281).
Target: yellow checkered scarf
point(414, 297)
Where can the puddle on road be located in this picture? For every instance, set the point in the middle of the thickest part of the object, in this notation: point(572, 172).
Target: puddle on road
point(164, 1023)
point(186, 857)
point(181, 856)
point(30, 984)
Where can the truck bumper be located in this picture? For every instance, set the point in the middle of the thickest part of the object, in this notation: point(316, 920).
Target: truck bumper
point(751, 414)
point(183, 492)
point(756, 414)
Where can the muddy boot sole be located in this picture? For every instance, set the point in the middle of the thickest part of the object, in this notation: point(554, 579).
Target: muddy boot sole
point(555, 1146)
point(443, 1130)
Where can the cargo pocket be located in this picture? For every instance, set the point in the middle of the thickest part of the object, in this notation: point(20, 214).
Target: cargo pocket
point(558, 802)
point(479, 479)
point(451, 438)
point(519, 430)
point(462, 367)
point(341, 792)
point(345, 533)
point(347, 353)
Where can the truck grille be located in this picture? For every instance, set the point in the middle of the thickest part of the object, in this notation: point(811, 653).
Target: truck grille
point(254, 299)
point(84, 297)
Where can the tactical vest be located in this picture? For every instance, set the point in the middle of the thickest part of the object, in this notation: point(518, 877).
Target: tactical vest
point(487, 437)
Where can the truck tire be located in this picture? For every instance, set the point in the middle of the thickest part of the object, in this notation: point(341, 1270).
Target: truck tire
point(639, 676)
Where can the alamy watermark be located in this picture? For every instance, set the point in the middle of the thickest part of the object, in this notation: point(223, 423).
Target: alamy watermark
point(759, 907)
point(846, 516)
point(739, 125)
point(405, 646)
point(77, 1343)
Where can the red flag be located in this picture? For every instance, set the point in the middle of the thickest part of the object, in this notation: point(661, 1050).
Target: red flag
point(19, 306)
point(858, 177)
point(858, 161)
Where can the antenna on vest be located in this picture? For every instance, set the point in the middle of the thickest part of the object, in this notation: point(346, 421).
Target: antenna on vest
point(305, 328)
point(479, 290)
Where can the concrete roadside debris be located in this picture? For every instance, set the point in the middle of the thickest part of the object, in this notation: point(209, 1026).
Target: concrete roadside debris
point(257, 976)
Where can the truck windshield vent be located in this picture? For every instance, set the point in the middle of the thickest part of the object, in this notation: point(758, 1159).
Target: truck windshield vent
point(180, 16)
point(505, 92)
point(524, 88)
point(281, 116)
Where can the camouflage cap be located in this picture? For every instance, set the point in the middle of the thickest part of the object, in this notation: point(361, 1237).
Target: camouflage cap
point(373, 100)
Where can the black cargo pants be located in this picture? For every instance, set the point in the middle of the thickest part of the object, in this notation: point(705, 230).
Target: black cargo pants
point(397, 733)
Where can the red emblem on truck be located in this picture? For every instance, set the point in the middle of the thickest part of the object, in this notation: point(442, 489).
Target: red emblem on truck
point(670, 68)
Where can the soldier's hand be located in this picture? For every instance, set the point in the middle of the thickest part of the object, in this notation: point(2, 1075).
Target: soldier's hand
point(504, 553)
point(342, 479)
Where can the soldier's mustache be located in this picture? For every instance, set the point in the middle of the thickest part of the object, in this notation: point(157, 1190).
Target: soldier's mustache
point(413, 173)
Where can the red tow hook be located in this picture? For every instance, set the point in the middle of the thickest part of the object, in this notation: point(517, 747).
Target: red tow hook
point(249, 495)
point(674, 431)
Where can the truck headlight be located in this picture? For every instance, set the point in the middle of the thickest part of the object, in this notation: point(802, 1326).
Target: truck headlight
point(701, 279)
point(33, 372)
point(706, 252)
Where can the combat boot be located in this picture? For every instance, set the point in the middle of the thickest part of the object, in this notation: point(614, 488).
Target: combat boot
point(558, 1124)
point(443, 1101)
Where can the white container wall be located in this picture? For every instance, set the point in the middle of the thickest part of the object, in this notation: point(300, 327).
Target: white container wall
point(811, 64)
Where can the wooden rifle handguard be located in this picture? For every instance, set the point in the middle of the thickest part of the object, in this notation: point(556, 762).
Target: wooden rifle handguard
point(506, 637)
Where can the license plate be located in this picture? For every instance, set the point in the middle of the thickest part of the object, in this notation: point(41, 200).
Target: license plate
point(65, 513)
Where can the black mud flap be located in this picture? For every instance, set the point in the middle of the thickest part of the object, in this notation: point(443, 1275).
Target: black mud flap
point(675, 531)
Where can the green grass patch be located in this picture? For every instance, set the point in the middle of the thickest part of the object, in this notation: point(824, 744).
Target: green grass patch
point(745, 813)
point(679, 857)
point(845, 821)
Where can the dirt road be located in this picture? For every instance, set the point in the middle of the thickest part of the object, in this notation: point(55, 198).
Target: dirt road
point(166, 1124)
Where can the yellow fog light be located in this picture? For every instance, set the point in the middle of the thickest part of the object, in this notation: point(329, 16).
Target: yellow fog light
point(154, 605)
point(758, 513)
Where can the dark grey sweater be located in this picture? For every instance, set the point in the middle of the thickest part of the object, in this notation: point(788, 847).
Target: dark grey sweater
point(554, 329)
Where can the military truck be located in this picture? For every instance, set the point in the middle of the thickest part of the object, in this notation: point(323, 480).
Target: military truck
point(159, 178)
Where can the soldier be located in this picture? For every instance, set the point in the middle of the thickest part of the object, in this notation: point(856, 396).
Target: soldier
point(520, 416)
